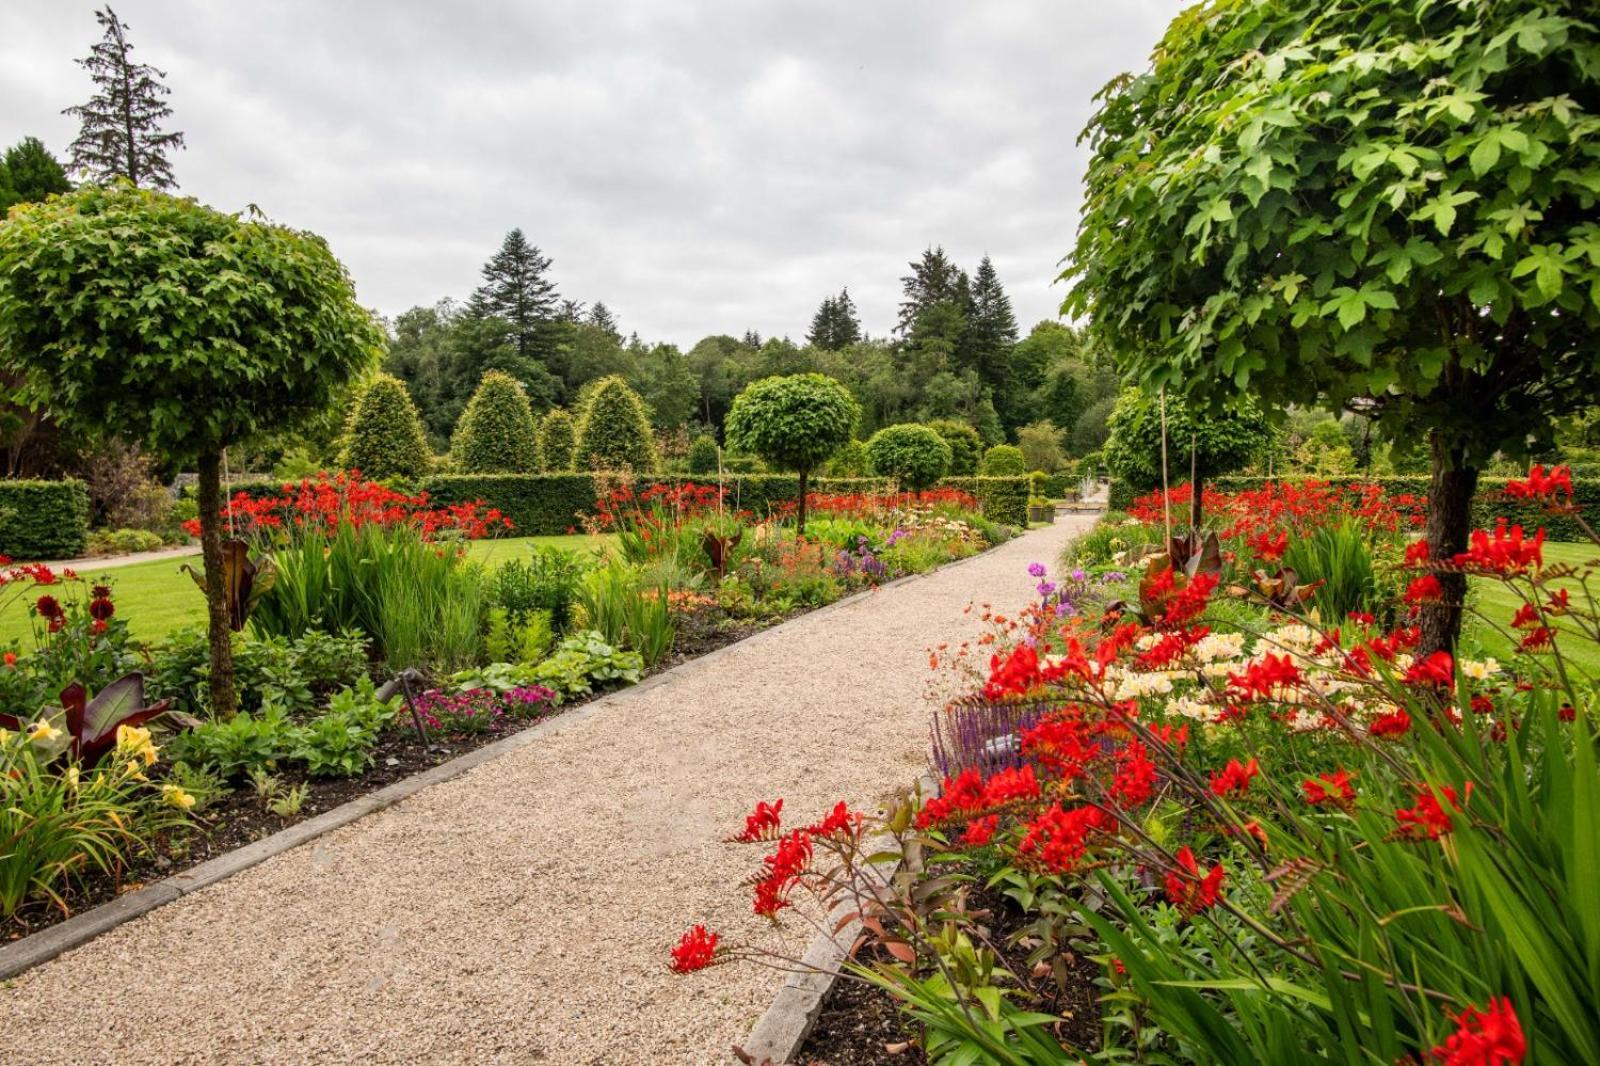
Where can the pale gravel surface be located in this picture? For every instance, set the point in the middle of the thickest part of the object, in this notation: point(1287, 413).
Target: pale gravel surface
point(521, 913)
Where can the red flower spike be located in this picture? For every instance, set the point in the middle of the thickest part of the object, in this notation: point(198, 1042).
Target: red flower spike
point(1397, 723)
point(1187, 890)
point(762, 824)
point(1491, 1037)
point(1330, 790)
point(695, 950)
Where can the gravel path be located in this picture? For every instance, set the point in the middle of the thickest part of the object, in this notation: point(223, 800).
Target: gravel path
point(521, 913)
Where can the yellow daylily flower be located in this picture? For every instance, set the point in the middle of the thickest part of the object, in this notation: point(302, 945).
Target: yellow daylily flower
point(42, 732)
point(174, 796)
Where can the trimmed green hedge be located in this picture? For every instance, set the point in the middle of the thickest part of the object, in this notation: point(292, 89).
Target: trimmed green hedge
point(43, 519)
point(1003, 499)
point(1121, 495)
point(1057, 486)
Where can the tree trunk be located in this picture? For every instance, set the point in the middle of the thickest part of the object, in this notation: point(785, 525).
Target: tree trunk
point(1449, 523)
point(803, 476)
point(224, 700)
point(1195, 484)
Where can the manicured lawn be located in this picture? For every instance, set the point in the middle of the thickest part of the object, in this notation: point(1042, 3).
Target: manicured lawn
point(1498, 603)
point(157, 597)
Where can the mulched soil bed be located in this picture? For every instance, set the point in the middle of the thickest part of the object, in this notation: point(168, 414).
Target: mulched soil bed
point(241, 818)
point(860, 1023)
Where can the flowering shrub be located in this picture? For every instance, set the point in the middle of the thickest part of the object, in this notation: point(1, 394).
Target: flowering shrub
point(1285, 835)
point(480, 710)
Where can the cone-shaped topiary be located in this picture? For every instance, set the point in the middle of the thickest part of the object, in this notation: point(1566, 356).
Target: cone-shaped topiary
point(966, 446)
point(614, 429)
point(383, 437)
point(558, 440)
point(913, 455)
point(703, 455)
point(1003, 460)
point(495, 434)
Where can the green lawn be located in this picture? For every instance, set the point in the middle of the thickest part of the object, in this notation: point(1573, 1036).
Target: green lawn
point(157, 597)
point(1498, 603)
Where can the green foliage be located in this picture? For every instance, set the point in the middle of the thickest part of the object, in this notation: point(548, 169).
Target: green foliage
point(237, 747)
point(1388, 205)
point(795, 422)
point(270, 670)
point(1004, 460)
point(122, 541)
point(1223, 440)
point(43, 519)
point(518, 641)
point(614, 430)
point(335, 743)
point(384, 437)
point(915, 456)
point(1002, 499)
point(544, 583)
point(1341, 555)
point(28, 174)
point(339, 741)
point(850, 461)
point(1040, 444)
point(584, 661)
point(703, 455)
point(496, 431)
point(966, 446)
point(618, 605)
point(558, 442)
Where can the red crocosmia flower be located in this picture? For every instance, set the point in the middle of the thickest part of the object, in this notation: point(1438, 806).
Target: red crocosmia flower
point(1425, 589)
point(1397, 723)
point(1527, 617)
point(1438, 670)
point(1234, 780)
point(1333, 790)
point(1268, 678)
point(1428, 819)
point(1135, 779)
point(1187, 890)
point(1270, 548)
point(1559, 602)
point(1362, 618)
point(1057, 839)
point(695, 950)
point(962, 793)
point(1010, 785)
point(839, 820)
point(1506, 552)
point(783, 868)
point(1013, 675)
point(980, 831)
point(1537, 639)
point(1061, 743)
point(1491, 1037)
point(1542, 486)
point(1174, 737)
point(1416, 553)
point(762, 824)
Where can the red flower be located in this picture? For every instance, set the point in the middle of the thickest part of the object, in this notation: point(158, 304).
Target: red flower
point(1234, 780)
point(695, 950)
point(1057, 839)
point(48, 607)
point(1396, 723)
point(1437, 669)
point(1061, 744)
point(1425, 589)
point(1491, 1037)
point(101, 609)
point(783, 868)
point(11, 660)
point(838, 820)
point(1541, 637)
point(1504, 553)
point(1428, 819)
point(1267, 679)
point(1135, 779)
point(1268, 547)
point(1190, 892)
point(762, 824)
point(1542, 486)
point(980, 830)
point(1329, 789)
point(1416, 553)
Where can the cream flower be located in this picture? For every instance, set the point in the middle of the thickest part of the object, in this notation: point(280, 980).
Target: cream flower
point(174, 796)
point(42, 732)
point(1480, 671)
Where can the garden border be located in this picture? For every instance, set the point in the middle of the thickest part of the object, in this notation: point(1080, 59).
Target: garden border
point(37, 948)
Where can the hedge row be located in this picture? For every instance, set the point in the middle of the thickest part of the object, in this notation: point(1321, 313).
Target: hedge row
point(43, 519)
point(1057, 486)
point(1003, 499)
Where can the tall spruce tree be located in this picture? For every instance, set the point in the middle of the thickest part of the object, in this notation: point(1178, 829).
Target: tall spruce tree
point(821, 332)
point(933, 280)
point(846, 321)
point(516, 289)
point(121, 134)
point(991, 328)
point(600, 316)
point(29, 173)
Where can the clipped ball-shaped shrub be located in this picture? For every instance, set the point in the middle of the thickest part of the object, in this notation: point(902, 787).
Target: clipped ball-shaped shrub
point(966, 446)
point(795, 423)
point(849, 461)
point(614, 429)
point(384, 437)
point(913, 455)
point(1003, 460)
point(558, 441)
point(703, 455)
point(495, 434)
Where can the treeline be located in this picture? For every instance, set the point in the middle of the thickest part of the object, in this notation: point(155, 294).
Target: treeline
point(955, 354)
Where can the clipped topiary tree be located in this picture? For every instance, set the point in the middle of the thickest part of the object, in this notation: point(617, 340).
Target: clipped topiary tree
point(614, 429)
point(155, 318)
point(795, 423)
point(495, 434)
point(913, 455)
point(1003, 460)
point(1200, 444)
point(558, 441)
point(384, 437)
point(966, 445)
point(703, 455)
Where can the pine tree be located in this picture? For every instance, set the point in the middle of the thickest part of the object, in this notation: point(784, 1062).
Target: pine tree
point(846, 322)
point(121, 134)
point(933, 280)
point(600, 315)
point(752, 339)
point(822, 325)
point(991, 328)
point(571, 312)
point(516, 290)
point(29, 173)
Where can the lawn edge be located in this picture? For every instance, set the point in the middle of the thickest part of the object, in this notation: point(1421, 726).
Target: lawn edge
point(22, 955)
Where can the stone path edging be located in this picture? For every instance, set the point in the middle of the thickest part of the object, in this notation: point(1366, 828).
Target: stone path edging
point(46, 944)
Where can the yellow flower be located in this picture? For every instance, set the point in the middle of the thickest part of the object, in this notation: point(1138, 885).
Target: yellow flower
point(42, 732)
point(72, 777)
point(136, 771)
point(133, 740)
point(176, 797)
point(5, 737)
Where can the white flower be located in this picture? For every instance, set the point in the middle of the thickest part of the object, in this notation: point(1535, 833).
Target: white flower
point(1214, 646)
point(1189, 707)
point(1480, 671)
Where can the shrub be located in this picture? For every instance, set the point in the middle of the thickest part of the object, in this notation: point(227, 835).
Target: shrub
point(614, 430)
point(617, 605)
point(1003, 499)
point(849, 461)
point(1003, 460)
point(558, 442)
point(495, 433)
point(966, 446)
point(915, 456)
point(122, 541)
point(703, 455)
point(546, 582)
point(795, 422)
point(1040, 444)
point(124, 492)
point(384, 437)
point(43, 519)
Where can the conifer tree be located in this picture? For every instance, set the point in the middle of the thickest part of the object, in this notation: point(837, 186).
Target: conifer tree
point(847, 321)
point(821, 332)
point(600, 316)
point(991, 328)
point(515, 289)
point(121, 134)
point(933, 280)
point(29, 173)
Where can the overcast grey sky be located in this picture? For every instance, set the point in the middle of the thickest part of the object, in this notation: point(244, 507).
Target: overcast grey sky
point(702, 166)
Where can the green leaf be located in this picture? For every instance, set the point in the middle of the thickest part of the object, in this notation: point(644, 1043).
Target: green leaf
point(1485, 155)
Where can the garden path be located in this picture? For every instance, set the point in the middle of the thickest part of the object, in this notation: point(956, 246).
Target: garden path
point(522, 912)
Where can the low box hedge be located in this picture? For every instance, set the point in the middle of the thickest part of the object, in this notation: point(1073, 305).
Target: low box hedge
point(43, 519)
point(1003, 499)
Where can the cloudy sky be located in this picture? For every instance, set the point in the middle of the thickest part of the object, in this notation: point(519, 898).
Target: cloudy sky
point(702, 166)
